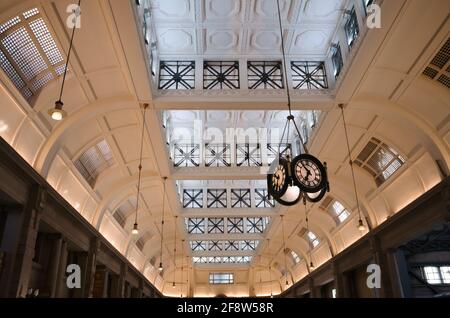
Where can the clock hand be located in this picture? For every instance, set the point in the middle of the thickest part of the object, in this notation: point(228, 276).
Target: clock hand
point(308, 172)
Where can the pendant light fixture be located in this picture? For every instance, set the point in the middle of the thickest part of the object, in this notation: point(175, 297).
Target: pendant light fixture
point(361, 226)
point(57, 113)
point(175, 254)
point(135, 230)
point(289, 177)
point(311, 264)
point(162, 225)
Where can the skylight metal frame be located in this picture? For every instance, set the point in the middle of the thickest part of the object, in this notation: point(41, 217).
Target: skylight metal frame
point(309, 75)
point(265, 75)
point(221, 75)
point(248, 155)
point(241, 198)
point(29, 54)
point(176, 75)
point(93, 161)
point(380, 160)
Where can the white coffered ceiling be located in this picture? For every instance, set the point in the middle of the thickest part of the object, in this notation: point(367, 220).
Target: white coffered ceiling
point(181, 123)
point(244, 28)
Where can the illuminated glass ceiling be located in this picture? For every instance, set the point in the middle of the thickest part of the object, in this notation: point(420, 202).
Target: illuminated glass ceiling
point(29, 54)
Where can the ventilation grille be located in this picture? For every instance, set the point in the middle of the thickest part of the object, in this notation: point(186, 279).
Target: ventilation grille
point(439, 67)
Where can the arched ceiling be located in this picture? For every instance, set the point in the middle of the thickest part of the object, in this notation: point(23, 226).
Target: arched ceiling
point(109, 83)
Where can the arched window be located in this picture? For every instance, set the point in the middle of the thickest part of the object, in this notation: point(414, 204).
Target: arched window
point(336, 209)
point(310, 237)
point(29, 55)
point(295, 257)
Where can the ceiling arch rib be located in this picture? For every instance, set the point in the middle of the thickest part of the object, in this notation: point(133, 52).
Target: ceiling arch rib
point(387, 108)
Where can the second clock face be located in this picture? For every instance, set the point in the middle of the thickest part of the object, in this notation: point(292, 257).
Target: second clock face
point(277, 181)
point(309, 173)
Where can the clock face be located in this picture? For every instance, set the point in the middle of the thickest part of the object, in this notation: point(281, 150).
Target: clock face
point(277, 182)
point(309, 173)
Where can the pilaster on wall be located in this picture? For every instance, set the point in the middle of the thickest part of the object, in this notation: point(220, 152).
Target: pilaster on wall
point(20, 238)
point(91, 263)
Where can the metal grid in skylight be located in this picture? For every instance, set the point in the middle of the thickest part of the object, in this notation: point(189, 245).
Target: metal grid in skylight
point(439, 67)
point(29, 54)
point(380, 160)
point(94, 161)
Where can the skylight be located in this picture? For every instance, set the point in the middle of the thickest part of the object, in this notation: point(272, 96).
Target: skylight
point(29, 54)
point(222, 260)
point(246, 138)
point(380, 160)
point(227, 225)
point(221, 278)
point(224, 194)
point(437, 275)
point(94, 161)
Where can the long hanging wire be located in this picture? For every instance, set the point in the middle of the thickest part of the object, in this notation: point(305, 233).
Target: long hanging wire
point(140, 167)
point(182, 267)
point(69, 52)
point(360, 222)
point(187, 279)
point(162, 223)
point(284, 251)
point(175, 252)
point(270, 270)
point(288, 91)
point(311, 264)
point(284, 58)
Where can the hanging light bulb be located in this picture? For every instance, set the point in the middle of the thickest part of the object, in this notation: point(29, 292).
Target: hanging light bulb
point(57, 113)
point(174, 285)
point(311, 266)
point(135, 230)
point(160, 268)
point(361, 226)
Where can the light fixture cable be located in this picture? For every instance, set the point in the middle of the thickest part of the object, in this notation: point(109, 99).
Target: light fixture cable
point(360, 221)
point(175, 253)
point(311, 264)
point(182, 267)
point(284, 251)
point(288, 90)
point(69, 53)
point(270, 270)
point(162, 224)
point(57, 113)
point(141, 155)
